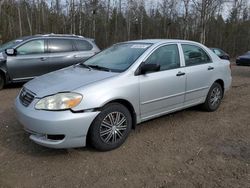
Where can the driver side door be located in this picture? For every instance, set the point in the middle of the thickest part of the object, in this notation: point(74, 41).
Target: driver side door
point(162, 91)
point(31, 60)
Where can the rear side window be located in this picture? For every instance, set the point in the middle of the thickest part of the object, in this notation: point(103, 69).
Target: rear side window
point(60, 45)
point(166, 56)
point(31, 47)
point(194, 55)
point(83, 45)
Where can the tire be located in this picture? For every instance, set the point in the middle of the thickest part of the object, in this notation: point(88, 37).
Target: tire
point(110, 128)
point(2, 81)
point(214, 98)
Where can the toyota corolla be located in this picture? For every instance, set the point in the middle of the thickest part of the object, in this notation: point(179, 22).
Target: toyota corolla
point(102, 99)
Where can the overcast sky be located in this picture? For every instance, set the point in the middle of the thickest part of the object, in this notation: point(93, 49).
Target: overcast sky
point(154, 3)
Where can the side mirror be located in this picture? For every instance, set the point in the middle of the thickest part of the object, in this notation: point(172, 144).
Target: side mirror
point(149, 68)
point(10, 51)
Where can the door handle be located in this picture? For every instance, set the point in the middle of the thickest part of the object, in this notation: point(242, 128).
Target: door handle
point(43, 58)
point(180, 74)
point(210, 68)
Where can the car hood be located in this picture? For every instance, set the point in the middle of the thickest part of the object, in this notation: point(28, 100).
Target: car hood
point(65, 80)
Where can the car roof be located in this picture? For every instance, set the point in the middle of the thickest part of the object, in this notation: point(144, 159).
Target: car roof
point(156, 41)
point(52, 35)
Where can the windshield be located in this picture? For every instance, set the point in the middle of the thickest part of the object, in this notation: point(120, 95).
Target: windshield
point(9, 44)
point(118, 57)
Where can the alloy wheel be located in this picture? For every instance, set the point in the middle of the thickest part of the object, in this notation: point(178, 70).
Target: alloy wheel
point(216, 96)
point(113, 127)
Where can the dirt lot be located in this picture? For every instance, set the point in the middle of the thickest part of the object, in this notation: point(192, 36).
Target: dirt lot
point(190, 148)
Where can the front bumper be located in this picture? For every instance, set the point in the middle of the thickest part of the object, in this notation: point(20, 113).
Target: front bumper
point(40, 124)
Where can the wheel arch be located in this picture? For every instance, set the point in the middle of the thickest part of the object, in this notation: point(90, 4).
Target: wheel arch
point(128, 105)
point(123, 102)
point(221, 82)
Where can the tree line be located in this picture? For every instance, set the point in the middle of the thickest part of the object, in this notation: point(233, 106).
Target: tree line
point(215, 23)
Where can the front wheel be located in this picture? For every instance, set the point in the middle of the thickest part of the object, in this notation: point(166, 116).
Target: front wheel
point(111, 127)
point(214, 98)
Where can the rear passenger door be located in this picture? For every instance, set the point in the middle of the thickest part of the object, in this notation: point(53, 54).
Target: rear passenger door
point(199, 70)
point(62, 53)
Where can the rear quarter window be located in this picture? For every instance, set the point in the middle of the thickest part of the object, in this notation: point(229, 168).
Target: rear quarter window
point(83, 45)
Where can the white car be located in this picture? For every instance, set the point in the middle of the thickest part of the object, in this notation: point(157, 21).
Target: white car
point(101, 99)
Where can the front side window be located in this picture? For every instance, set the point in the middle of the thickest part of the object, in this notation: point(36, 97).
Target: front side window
point(166, 56)
point(10, 44)
point(32, 47)
point(118, 57)
point(83, 45)
point(194, 55)
point(60, 45)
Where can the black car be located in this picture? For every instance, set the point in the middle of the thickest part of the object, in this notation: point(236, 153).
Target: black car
point(243, 59)
point(27, 57)
point(219, 52)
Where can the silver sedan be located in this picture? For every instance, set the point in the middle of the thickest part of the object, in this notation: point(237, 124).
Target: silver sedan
point(101, 100)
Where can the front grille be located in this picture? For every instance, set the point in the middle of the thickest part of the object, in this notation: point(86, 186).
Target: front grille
point(26, 97)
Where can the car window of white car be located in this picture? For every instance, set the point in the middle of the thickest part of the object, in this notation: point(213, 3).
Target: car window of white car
point(32, 47)
point(166, 56)
point(195, 55)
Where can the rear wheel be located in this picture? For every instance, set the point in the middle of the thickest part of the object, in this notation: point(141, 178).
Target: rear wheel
point(2, 81)
point(111, 127)
point(214, 98)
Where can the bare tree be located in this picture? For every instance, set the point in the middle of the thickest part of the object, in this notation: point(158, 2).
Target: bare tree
point(129, 18)
point(1, 3)
point(80, 16)
point(186, 17)
point(206, 9)
point(106, 22)
point(20, 19)
point(28, 19)
point(110, 21)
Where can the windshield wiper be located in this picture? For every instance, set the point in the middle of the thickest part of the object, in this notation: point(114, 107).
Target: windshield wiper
point(100, 68)
point(84, 65)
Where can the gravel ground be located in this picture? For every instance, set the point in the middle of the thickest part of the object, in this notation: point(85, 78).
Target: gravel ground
point(190, 148)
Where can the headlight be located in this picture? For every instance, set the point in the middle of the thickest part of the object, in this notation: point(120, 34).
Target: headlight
point(60, 101)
